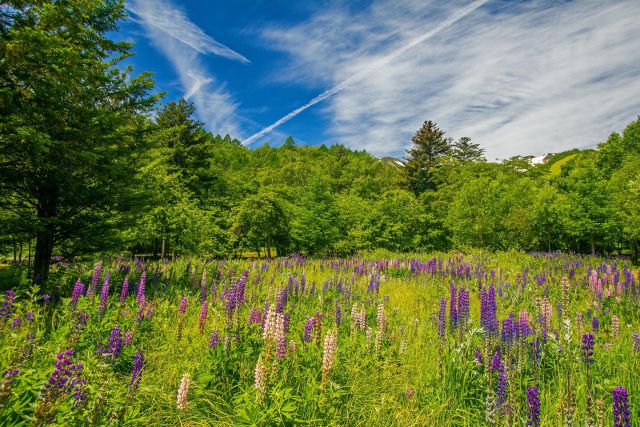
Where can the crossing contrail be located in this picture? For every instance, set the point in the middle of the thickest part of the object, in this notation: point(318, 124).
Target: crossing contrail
point(379, 63)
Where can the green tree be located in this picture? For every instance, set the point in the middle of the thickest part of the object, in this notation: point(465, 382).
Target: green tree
point(425, 156)
point(464, 151)
point(396, 222)
point(71, 121)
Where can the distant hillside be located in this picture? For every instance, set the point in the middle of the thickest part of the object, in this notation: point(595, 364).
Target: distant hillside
point(393, 161)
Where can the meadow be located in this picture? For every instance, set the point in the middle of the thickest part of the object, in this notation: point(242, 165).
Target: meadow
point(442, 339)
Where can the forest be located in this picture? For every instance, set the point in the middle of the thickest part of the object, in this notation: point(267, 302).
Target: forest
point(93, 160)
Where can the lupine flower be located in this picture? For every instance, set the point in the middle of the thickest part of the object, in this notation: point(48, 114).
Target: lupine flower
point(7, 305)
point(338, 316)
point(79, 323)
point(214, 339)
point(140, 294)
point(308, 328)
point(330, 344)
point(5, 383)
point(636, 342)
point(255, 316)
point(203, 316)
point(453, 312)
point(16, 323)
point(441, 317)
point(615, 326)
point(496, 361)
point(508, 333)
point(66, 378)
point(381, 318)
point(76, 293)
point(587, 348)
point(183, 390)
point(502, 385)
point(595, 324)
point(30, 316)
point(261, 376)
point(46, 298)
point(115, 342)
point(136, 374)
point(128, 337)
point(95, 279)
point(533, 406)
point(125, 290)
point(183, 306)
point(621, 414)
point(478, 356)
point(104, 294)
point(203, 285)
point(463, 306)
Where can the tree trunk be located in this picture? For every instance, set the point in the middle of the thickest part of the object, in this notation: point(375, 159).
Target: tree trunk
point(593, 246)
point(20, 254)
point(162, 248)
point(44, 249)
point(634, 249)
point(268, 249)
point(548, 242)
point(29, 260)
point(155, 248)
point(15, 250)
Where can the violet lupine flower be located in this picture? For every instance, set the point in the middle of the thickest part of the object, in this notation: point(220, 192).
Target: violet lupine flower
point(496, 361)
point(125, 290)
point(478, 356)
point(621, 414)
point(281, 344)
point(95, 279)
point(104, 294)
point(502, 385)
point(140, 294)
point(203, 316)
point(30, 316)
point(128, 337)
point(7, 305)
point(636, 342)
point(203, 285)
point(595, 324)
point(441, 317)
point(463, 305)
point(79, 323)
point(488, 316)
point(183, 306)
point(453, 312)
point(214, 339)
point(522, 326)
point(240, 286)
point(46, 298)
point(533, 406)
point(534, 351)
point(587, 348)
point(255, 316)
point(286, 322)
point(136, 374)
point(508, 333)
point(308, 328)
point(66, 378)
point(140, 313)
point(16, 323)
point(338, 316)
point(76, 293)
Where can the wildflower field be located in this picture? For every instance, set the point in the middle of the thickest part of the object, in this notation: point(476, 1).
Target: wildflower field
point(444, 339)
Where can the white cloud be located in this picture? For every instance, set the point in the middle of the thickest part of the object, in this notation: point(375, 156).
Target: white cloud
point(518, 79)
point(181, 41)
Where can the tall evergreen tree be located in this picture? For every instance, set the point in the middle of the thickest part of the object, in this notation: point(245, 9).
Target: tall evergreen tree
point(70, 120)
point(429, 147)
point(464, 151)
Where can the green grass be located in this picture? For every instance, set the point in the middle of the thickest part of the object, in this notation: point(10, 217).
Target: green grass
point(554, 170)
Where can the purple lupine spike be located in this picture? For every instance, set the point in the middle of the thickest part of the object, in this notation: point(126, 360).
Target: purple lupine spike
point(533, 407)
point(79, 323)
point(95, 279)
point(502, 385)
point(286, 321)
point(478, 356)
point(621, 414)
point(104, 294)
point(76, 293)
point(183, 306)
point(595, 324)
point(7, 305)
point(308, 328)
point(214, 339)
point(496, 361)
point(203, 316)
point(508, 329)
point(338, 316)
point(66, 379)
point(140, 294)
point(441, 317)
point(16, 322)
point(453, 311)
point(636, 342)
point(124, 291)
point(136, 374)
point(588, 342)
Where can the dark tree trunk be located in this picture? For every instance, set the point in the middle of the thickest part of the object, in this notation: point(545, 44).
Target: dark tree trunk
point(162, 247)
point(20, 254)
point(45, 235)
point(29, 259)
point(15, 250)
point(593, 246)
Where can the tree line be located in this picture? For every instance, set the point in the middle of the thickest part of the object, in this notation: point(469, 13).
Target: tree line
point(91, 161)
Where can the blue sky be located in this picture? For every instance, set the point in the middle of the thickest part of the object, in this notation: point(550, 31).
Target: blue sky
point(517, 77)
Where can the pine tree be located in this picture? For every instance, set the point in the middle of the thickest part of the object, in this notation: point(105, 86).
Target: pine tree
point(464, 151)
point(429, 148)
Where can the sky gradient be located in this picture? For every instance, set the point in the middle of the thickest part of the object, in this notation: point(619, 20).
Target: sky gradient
point(517, 78)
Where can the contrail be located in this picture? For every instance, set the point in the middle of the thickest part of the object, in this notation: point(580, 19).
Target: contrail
point(373, 66)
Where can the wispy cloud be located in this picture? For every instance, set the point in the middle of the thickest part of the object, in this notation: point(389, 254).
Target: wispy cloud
point(182, 42)
point(517, 78)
